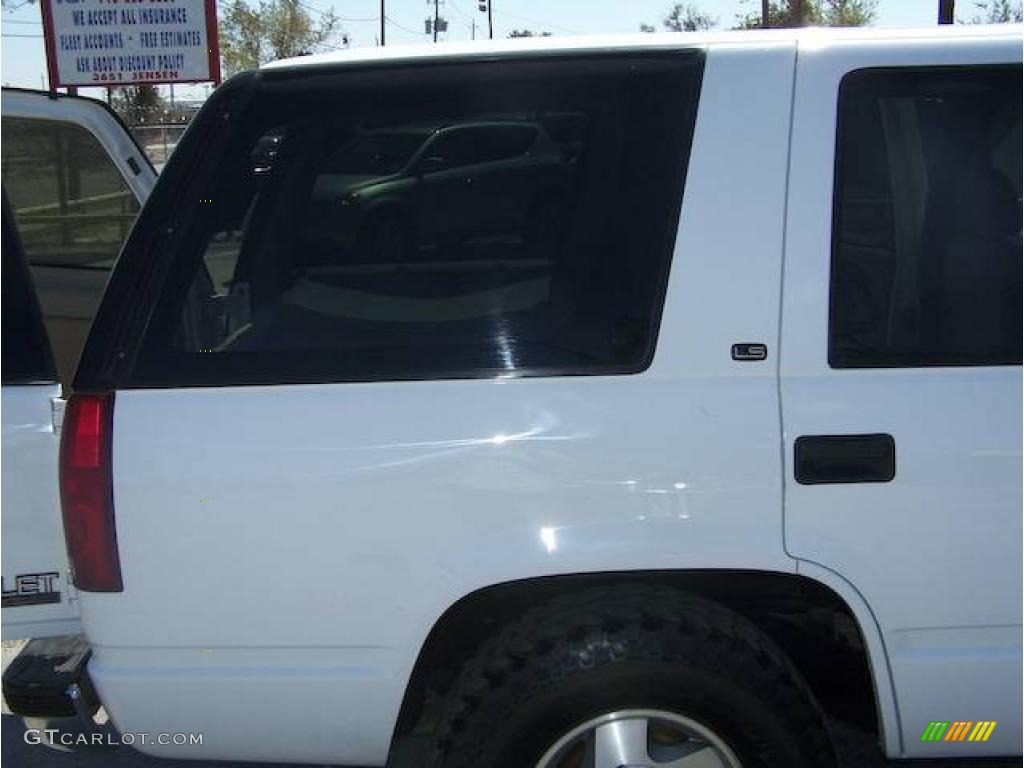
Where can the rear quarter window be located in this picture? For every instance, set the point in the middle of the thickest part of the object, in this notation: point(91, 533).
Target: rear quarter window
point(477, 219)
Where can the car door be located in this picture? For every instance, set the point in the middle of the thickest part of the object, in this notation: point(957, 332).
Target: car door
point(507, 179)
point(900, 370)
point(73, 182)
point(449, 183)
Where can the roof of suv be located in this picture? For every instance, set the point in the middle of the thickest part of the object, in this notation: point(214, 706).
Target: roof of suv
point(804, 36)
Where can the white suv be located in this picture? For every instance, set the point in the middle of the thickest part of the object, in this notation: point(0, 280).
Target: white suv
point(733, 450)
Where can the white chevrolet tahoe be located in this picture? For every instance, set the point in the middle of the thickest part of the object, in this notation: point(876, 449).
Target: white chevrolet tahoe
point(608, 403)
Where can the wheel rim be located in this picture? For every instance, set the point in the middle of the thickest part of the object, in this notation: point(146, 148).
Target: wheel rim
point(640, 738)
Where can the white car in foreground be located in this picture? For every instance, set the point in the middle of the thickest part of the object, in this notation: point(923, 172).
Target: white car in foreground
point(713, 442)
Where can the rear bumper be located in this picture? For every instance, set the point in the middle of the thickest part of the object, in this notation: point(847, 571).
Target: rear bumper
point(49, 679)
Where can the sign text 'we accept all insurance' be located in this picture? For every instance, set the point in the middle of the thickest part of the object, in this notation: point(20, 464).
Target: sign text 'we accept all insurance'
point(122, 42)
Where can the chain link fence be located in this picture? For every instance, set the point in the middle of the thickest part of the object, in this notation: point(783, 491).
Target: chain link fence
point(158, 141)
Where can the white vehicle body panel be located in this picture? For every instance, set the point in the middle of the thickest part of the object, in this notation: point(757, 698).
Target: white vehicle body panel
point(388, 502)
point(937, 552)
point(33, 537)
point(33, 541)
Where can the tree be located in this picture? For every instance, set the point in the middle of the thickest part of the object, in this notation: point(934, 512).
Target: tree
point(527, 33)
point(801, 13)
point(687, 18)
point(138, 104)
point(684, 17)
point(996, 12)
point(848, 13)
point(275, 29)
point(780, 14)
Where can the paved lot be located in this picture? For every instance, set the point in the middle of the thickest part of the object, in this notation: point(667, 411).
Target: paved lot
point(857, 751)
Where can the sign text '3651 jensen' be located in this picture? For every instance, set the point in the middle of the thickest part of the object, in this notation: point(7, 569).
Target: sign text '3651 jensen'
point(121, 42)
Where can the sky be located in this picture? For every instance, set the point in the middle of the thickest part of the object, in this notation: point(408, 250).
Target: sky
point(23, 62)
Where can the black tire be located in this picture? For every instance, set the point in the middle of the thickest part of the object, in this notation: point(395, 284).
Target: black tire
point(626, 648)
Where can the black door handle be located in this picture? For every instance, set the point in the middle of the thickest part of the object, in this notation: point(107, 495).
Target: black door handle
point(844, 459)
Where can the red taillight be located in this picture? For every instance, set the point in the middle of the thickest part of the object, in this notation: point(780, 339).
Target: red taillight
point(87, 492)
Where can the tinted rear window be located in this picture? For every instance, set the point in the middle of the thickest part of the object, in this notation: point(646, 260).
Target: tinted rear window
point(457, 220)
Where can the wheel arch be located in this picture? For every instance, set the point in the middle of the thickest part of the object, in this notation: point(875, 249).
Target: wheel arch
point(812, 594)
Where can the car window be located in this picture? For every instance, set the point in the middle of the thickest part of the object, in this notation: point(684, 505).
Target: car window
point(926, 261)
point(73, 210)
point(377, 153)
point(456, 147)
point(470, 145)
point(504, 142)
point(317, 262)
point(26, 351)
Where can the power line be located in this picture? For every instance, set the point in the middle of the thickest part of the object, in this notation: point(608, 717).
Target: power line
point(9, 34)
point(322, 12)
point(541, 23)
point(311, 8)
point(459, 10)
point(395, 23)
point(22, 21)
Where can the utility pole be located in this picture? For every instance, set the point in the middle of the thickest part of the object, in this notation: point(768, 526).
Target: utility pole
point(472, 30)
point(485, 5)
point(945, 11)
point(765, 14)
point(382, 23)
point(796, 12)
point(437, 16)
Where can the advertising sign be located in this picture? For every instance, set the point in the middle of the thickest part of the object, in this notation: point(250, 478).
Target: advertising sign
point(127, 42)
